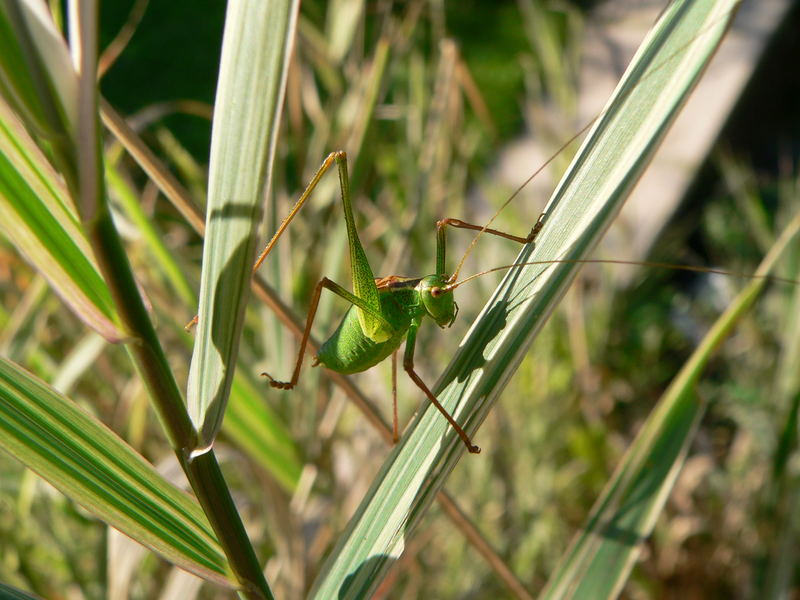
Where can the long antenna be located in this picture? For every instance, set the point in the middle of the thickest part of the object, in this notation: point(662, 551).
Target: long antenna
point(540, 222)
point(609, 261)
point(516, 193)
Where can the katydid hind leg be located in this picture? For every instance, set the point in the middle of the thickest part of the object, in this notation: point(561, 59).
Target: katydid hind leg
point(365, 296)
point(364, 286)
point(363, 279)
point(408, 365)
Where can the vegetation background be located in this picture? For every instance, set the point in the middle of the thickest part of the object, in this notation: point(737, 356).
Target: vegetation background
point(424, 96)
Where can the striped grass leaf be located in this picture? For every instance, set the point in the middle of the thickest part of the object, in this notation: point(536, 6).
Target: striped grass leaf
point(90, 464)
point(81, 165)
point(666, 67)
point(38, 79)
point(255, 51)
point(9, 593)
point(40, 221)
point(600, 559)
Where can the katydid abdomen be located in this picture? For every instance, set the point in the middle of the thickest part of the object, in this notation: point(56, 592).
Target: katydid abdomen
point(350, 350)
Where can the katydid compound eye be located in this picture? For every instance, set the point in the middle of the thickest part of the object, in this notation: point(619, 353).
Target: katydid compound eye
point(436, 292)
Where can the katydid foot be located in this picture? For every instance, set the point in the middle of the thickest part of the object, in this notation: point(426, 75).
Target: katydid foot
point(281, 385)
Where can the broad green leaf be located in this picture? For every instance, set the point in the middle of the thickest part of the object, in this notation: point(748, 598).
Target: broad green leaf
point(40, 221)
point(600, 559)
point(606, 168)
point(91, 465)
point(255, 52)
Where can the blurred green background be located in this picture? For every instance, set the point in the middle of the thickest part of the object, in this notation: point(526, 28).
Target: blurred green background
point(424, 96)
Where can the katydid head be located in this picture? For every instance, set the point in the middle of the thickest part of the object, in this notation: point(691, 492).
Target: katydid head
point(438, 300)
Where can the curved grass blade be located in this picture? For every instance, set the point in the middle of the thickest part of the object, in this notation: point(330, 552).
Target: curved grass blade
point(90, 464)
point(81, 166)
point(40, 221)
point(253, 426)
point(660, 77)
point(600, 559)
point(255, 53)
point(249, 423)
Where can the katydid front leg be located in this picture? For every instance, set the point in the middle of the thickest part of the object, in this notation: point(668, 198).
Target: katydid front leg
point(408, 365)
point(441, 242)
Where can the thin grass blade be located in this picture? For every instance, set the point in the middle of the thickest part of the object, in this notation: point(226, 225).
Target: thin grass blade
point(255, 52)
point(600, 559)
point(253, 426)
point(622, 141)
point(90, 464)
point(249, 423)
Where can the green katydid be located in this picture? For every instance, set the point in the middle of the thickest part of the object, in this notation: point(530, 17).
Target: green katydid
point(384, 311)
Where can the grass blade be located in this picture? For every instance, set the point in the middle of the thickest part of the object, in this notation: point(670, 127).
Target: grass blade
point(41, 223)
point(257, 40)
point(607, 166)
point(77, 154)
point(9, 593)
point(37, 78)
point(250, 422)
point(253, 426)
point(91, 465)
point(601, 557)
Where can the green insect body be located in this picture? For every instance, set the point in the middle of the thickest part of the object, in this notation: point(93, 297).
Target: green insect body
point(384, 312)
point(403, 304)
